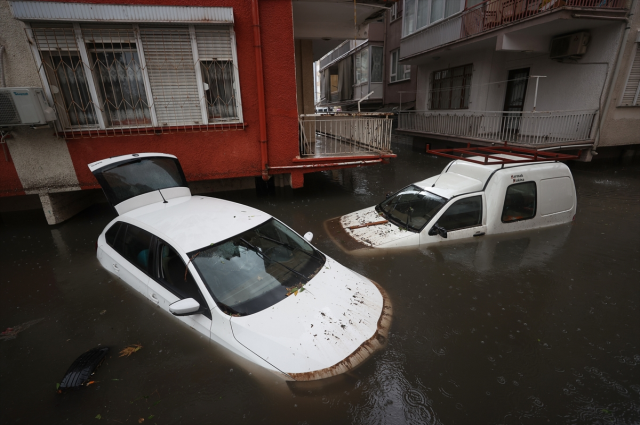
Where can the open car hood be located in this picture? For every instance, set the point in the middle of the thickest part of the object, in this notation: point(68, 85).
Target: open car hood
point(337, 322)
point(373, 236)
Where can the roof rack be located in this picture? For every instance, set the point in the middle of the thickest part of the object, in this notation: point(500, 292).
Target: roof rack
point(490, 154)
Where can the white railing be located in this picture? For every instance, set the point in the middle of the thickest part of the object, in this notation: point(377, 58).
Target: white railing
point(536, 128)
point(345, 134)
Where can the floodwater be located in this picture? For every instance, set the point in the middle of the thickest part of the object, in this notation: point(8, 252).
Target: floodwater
point(534, 327)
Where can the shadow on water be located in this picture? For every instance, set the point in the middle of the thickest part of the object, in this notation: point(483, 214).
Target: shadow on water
point(538, 326)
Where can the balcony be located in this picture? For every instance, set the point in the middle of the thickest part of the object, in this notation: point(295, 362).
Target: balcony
point(536, 129)
point(345, 135)
point(492, 15)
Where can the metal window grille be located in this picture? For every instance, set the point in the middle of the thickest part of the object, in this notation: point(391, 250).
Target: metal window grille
point(106, 80)
point(450, 88)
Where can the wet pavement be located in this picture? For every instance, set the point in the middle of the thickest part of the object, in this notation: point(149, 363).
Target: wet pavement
point(534, 327)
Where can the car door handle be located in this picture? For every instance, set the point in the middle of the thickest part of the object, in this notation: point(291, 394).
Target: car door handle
point(155, 299)
point(478, 234)
point(115, 267)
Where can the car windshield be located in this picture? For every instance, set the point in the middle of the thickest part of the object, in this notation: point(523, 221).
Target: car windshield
point(411, 208)
point(257, 268)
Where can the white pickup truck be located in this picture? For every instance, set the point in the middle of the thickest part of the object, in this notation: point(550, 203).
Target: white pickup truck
point(466, 200)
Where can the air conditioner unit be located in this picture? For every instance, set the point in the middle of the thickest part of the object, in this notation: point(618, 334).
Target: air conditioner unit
point(24, 106)
point(570, 46)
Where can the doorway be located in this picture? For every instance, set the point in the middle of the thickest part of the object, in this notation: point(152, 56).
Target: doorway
point(514, 102)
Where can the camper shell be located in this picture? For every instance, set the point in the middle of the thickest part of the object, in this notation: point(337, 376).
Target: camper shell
point(468, 199)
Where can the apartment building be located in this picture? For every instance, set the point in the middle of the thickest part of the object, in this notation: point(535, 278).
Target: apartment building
point(223, 85)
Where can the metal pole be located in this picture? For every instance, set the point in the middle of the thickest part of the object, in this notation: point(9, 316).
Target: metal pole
point(535, 97)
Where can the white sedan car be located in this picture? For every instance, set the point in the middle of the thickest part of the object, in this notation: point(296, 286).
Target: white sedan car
point(236, 274)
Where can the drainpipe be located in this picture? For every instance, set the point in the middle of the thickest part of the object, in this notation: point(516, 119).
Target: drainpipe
point(614, 77)
point(3, 82)
point(260, 80)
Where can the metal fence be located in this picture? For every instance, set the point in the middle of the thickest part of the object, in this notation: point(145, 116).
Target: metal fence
point(536, 128)
point(487, 16)
point(345, 134)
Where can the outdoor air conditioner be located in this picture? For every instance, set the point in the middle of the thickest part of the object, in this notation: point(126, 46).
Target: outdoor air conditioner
point(570, 46)
point(24, 106)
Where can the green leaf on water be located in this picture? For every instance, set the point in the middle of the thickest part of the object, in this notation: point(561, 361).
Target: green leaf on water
point(57, 386)
point(157, 402)
point(116, 379)
point(150, 417)
point(605, 411)
point(98, 416)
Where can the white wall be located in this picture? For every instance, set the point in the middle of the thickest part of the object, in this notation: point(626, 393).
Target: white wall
point(568, 86)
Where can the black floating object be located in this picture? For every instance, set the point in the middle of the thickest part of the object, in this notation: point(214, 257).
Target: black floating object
point(83, 367)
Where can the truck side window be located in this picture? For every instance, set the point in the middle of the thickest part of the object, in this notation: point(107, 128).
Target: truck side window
point(464, 213)
point(520, 202)
point(172, 273)
point(133, 244)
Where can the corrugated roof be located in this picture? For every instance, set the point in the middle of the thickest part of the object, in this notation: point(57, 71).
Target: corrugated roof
point(52, 11)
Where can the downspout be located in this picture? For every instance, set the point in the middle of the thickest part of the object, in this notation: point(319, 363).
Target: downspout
point(614, 77)
point(3, 82)
point(260, 80)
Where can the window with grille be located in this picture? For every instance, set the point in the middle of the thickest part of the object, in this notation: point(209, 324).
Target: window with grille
point(631, 95)
point(362, 66)
point(450, 88)
point(123, 76)
point(398, 72)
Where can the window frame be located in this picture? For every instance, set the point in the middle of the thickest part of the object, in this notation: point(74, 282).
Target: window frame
point(64, 123)
point(535, 209)
point(466, 88)
point(416, 6)
point(395, 61)
point(394, 13)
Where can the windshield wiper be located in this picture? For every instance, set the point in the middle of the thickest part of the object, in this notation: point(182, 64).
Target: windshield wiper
point(264, 256)
point(291, 248)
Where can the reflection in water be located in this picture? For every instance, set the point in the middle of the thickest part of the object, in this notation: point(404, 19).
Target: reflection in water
point(527, 328)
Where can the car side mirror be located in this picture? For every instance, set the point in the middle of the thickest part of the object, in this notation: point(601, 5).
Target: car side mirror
point(308, 236)
point(185, 307)
point(437, 230)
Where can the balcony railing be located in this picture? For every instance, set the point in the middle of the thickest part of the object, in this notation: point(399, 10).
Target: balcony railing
point(489, 15)
point(324, 135)
point(531, 128)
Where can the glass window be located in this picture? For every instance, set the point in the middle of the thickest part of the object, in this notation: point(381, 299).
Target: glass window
point(362, 66)
point(411, 208)
point(464, 213)
point(520, 202)
point(450, 88)
point(398, 72)
point(257, 268)
point(135, 178)
point(409, 16)
point(134, 245)
point(376, 64)
point(218, 85)
point(111, 234)
point(451, 7)
point(172, 273)
point(437, 10)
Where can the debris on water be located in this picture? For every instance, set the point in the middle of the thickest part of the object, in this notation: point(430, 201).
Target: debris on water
point(83, 368)
point(103, 312)
point(98, 416)
point(130, 350)
point(12, 333)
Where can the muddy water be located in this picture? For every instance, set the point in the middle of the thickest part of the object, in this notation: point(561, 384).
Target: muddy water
point(535, 327)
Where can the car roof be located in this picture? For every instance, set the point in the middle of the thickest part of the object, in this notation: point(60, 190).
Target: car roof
point(193, 222)
point(461, 176)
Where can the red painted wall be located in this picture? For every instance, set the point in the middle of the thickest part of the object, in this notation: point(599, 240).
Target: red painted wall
point(224, 154)
point(10, 184)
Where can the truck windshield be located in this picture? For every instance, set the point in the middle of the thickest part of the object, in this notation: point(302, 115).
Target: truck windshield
point(258, 268)
point(411, 208)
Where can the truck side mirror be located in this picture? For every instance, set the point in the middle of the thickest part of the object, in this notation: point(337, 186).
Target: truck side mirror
point(437, 230)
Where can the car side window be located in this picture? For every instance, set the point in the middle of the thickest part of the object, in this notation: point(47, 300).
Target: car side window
point(134, 244)
point(464, 213)
point(520, 202)
point(112, 233)
point(172, 273)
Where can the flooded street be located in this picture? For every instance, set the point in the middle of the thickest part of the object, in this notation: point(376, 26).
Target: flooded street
point(532, 327)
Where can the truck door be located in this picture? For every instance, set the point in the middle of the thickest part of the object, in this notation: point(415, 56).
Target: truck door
point(464, 217)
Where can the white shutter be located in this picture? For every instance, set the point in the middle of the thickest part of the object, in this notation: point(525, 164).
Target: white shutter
point(171, 69)
point(630, 96)
point(214, 42)
point(55, 39)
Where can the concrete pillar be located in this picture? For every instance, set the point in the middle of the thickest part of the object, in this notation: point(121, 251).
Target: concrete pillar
point(60, 206)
